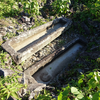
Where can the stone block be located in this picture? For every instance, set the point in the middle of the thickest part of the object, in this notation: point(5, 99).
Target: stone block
point(28, 43)
point(46, 69)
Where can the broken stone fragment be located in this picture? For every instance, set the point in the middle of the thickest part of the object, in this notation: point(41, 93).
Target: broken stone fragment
point(10, 27)
point(9, 72)
point(6, 72)
point(1, 40)
point(26, 19)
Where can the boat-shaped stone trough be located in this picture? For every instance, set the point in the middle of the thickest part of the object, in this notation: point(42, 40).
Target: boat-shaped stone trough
point(45, 70)
point(28, 43)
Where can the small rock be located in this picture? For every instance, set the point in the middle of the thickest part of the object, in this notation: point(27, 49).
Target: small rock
point(77, 59)
point(3, 33)
point(37, 58)
point(9, 31)
point(51, 17)
point(32, 23)
point(5, 28)
point(25, 28)
point(40, 17)
point(31, 96)
point(36, 87)
point(34, 58)
point(41, 53)
point(53, 94)
point(42, 4)
point(16, 26)
point(10, 27)
point(1, 40)
point(28, 23)
point(94, 47)
point(80, 71)
point(29, 26)
point(20, 5)
point(6, 72)
point(22, 20)
point(26, 18)
point(23, 24)
point(5, 38)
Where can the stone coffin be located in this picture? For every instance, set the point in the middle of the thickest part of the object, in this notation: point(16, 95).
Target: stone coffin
point(45, 70)
point(28, 43)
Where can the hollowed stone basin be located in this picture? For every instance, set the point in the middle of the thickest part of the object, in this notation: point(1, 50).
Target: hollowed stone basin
point(45, 70)
point(23, 46)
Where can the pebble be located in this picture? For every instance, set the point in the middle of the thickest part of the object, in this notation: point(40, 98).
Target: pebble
point(10, 27)
point(5, 28)
point(16, 26)
point(5, 38)
point(29, 26)
point(26, 19)
point(23, 24)
point(51, 17)
point(28, 23)
point(80, 71)
point(25, 28)
point(1, 38)
point(31, 96)
point(34, 58)
point(9, 31)
point(3, 33)
point(40, 17)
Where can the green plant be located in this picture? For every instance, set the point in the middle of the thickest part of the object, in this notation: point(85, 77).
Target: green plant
point(8, 7)
point(10, 35)
point(45, 96)
point(91, 8)
point(9, 86)
point(94, 8)
point(60, 6)
point(2, 58)
point(61, 42)
point(87, 88)
point(30, 7)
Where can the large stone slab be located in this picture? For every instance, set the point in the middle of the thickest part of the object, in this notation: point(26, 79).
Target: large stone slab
point(28, 43)
point(46, 69)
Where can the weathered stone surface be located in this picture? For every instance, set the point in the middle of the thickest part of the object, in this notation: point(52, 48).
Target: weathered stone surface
point(8, 72)
point(36, 87)
point(31, 70)
point(5, 72)
point(23, 46)
point(29, 73)
point(1, 40)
